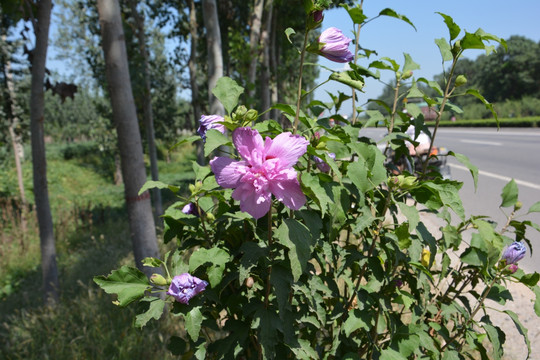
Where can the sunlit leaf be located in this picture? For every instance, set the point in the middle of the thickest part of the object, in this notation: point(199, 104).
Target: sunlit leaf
point(228, 92)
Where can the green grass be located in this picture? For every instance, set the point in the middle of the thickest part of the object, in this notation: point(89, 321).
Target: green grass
point(92, 238)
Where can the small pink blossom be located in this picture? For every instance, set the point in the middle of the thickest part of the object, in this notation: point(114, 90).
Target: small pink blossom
point(336, 45)
point(266, 168)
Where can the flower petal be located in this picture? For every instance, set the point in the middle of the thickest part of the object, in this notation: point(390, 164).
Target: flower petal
point(248, 142)
point(286, 147)
point(286, 189)
point(228, 171)
point(257, 204)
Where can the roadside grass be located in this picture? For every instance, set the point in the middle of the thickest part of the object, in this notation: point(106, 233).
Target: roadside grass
point(92, 238)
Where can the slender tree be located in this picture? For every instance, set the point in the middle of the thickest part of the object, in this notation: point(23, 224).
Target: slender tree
point(141, 221)
point(147, 105)
point(254, 36)
point(41, 193)
point(215, 56)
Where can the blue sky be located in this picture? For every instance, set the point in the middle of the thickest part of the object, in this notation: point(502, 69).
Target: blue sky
point(391, 37)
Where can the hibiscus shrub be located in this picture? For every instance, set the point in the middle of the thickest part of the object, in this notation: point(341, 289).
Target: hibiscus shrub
point(307, 242)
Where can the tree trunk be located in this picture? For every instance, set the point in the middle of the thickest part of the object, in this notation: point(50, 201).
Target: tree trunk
point(215, 57)
point(16, 143)
point(254, 36)
point(141, 221)
point(147, 110)
point(266, 82)
point(274, 66)
point(39, 163)
point(192, 65)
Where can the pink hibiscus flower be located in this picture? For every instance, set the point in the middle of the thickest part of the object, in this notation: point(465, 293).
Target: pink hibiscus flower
point(266, 168)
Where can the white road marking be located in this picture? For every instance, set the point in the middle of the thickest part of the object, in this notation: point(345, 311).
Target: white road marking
point(443, 131)
point(499, 177)
point(481, 142)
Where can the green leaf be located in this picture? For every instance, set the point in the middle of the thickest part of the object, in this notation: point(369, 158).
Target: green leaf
point(499, 294)
point(228, 91)
point(472, 41)
point(356, 13)
point(268, 326)
point(152, 262)
point(411, 213)
point(389, 354)
point(214, 139)
point(155, 310)
point(472, 168)
point(316, 191)
point(187, 140)
point(348, 77)
point(194, 320)
point(536, 290)
point(151, 184)
point(358, 319)
point(486, 103)
point(218, 258)
point(368, 171)
point(453, 28)
point(128, 283)
point(475, 257)
point(288, 33)
point(509, 194)
point(409, 65)
point(522, 329)
point(432, 84)
point(176, 345)
point(281, 279)
point(392, 13)
point(296, 237)
point(530, 279)
point(534, 208)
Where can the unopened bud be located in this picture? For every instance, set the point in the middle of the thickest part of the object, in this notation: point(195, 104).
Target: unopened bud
point(252, 115)
point(240, 113)
point(518, 206)
point(461, 80)
point(250, 282)
point(407, 75)
point(210, 217)
point(158, 280)
point(192, 188)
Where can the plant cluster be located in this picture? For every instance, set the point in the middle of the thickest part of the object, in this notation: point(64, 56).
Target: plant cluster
point(280, 257)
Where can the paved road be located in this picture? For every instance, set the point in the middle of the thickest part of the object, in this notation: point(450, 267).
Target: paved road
point(500, 156)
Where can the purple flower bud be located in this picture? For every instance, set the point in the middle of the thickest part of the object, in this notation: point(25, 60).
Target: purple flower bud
point(398, 283)
point(515, 252)
point(336, 45)
point(321, 165)
point(512, 268)
point(184, 287)
point(208, 122)
point(190, 209)
point(317, 16)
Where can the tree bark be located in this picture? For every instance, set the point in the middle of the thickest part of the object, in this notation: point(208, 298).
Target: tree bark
point(147, 110)
point(215, 56)
point(192, 65)
point(141, 221)
point(254, 36)
point(266, 79)
point(49, 267)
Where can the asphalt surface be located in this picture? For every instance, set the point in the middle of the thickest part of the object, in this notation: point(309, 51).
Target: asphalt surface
point(500, 155)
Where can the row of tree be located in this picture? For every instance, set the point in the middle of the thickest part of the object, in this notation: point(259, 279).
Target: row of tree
point(119, 50)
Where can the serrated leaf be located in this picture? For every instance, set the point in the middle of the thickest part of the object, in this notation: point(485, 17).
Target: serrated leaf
point(228, 92)
point(155, 310)
point(521, 329)
point(214, 139)
point(218, 258)
point(128, 283)
point(444, 48)
point(392, 13)
point(357, 319)
point(316, 191)
point(472, 41)
point(453, 28)
point(296, 237)
point(194, 320)
point(349, 78)
point(509, 194)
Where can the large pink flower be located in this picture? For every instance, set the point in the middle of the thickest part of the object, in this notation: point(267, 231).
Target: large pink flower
point(266, 168)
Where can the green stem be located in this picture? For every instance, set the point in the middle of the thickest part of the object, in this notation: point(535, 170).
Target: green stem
point(268, 286)
point(299, 93)
point(356, 46)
